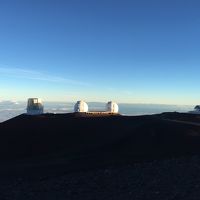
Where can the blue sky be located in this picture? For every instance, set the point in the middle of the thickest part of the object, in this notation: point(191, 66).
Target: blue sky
point(98, 50)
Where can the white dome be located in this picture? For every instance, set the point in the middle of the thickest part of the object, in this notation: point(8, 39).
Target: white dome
point(34, 106)
point(81, 106)
point(112, 107)
point(197, 108)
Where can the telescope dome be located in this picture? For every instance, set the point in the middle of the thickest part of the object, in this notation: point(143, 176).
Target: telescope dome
point(112, 107)
point(81, 106)
point(34, 106)
point(197, 108)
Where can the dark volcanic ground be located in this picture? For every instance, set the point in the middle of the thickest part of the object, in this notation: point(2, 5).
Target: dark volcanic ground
point(167, 179)
point(73, 156)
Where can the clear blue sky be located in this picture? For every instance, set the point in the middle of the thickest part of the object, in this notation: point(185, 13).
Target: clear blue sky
point(97, 50)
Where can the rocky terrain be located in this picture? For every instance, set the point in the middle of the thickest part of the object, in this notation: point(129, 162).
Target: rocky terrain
point(169, 179)
point(73, 156)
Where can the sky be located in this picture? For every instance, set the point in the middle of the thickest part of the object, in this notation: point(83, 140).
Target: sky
point(129, 51)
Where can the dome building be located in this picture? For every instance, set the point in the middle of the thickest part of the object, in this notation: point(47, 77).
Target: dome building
point(81, 106)
point(197, 108)
point(34, 106)
point(112, 107)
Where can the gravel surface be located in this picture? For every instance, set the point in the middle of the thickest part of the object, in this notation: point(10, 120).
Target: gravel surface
point(177, 178)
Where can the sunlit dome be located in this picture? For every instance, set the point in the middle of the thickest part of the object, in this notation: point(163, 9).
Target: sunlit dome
point(197, 108)
point(81, 106)
point(34, 106)
point(112, 107)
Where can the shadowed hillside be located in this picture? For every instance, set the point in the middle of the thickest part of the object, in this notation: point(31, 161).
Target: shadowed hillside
point(81, 134)
point(81, 156)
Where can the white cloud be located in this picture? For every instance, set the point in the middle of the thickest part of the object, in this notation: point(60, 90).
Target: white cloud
point(36, 75)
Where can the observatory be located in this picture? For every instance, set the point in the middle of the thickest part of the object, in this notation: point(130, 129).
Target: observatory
point(112, 107)
point(81, 106)
point(34, 106)
point(197, 108)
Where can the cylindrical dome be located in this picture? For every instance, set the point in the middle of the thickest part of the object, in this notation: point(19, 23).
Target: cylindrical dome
point(81, 106)
point(34, 106)
point(112, 107)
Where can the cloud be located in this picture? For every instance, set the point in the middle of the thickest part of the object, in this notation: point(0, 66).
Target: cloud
point(36, 75)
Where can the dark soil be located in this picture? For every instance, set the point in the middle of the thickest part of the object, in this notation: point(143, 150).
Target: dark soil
point(72, 156)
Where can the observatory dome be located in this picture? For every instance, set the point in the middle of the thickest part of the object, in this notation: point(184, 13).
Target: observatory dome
point(34, 106)
point(197, 108)
point(112, 107)
point(81, 106)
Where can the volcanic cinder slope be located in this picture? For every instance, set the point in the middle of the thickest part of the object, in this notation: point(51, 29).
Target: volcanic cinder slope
point(87, 156)
point(75, 135)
